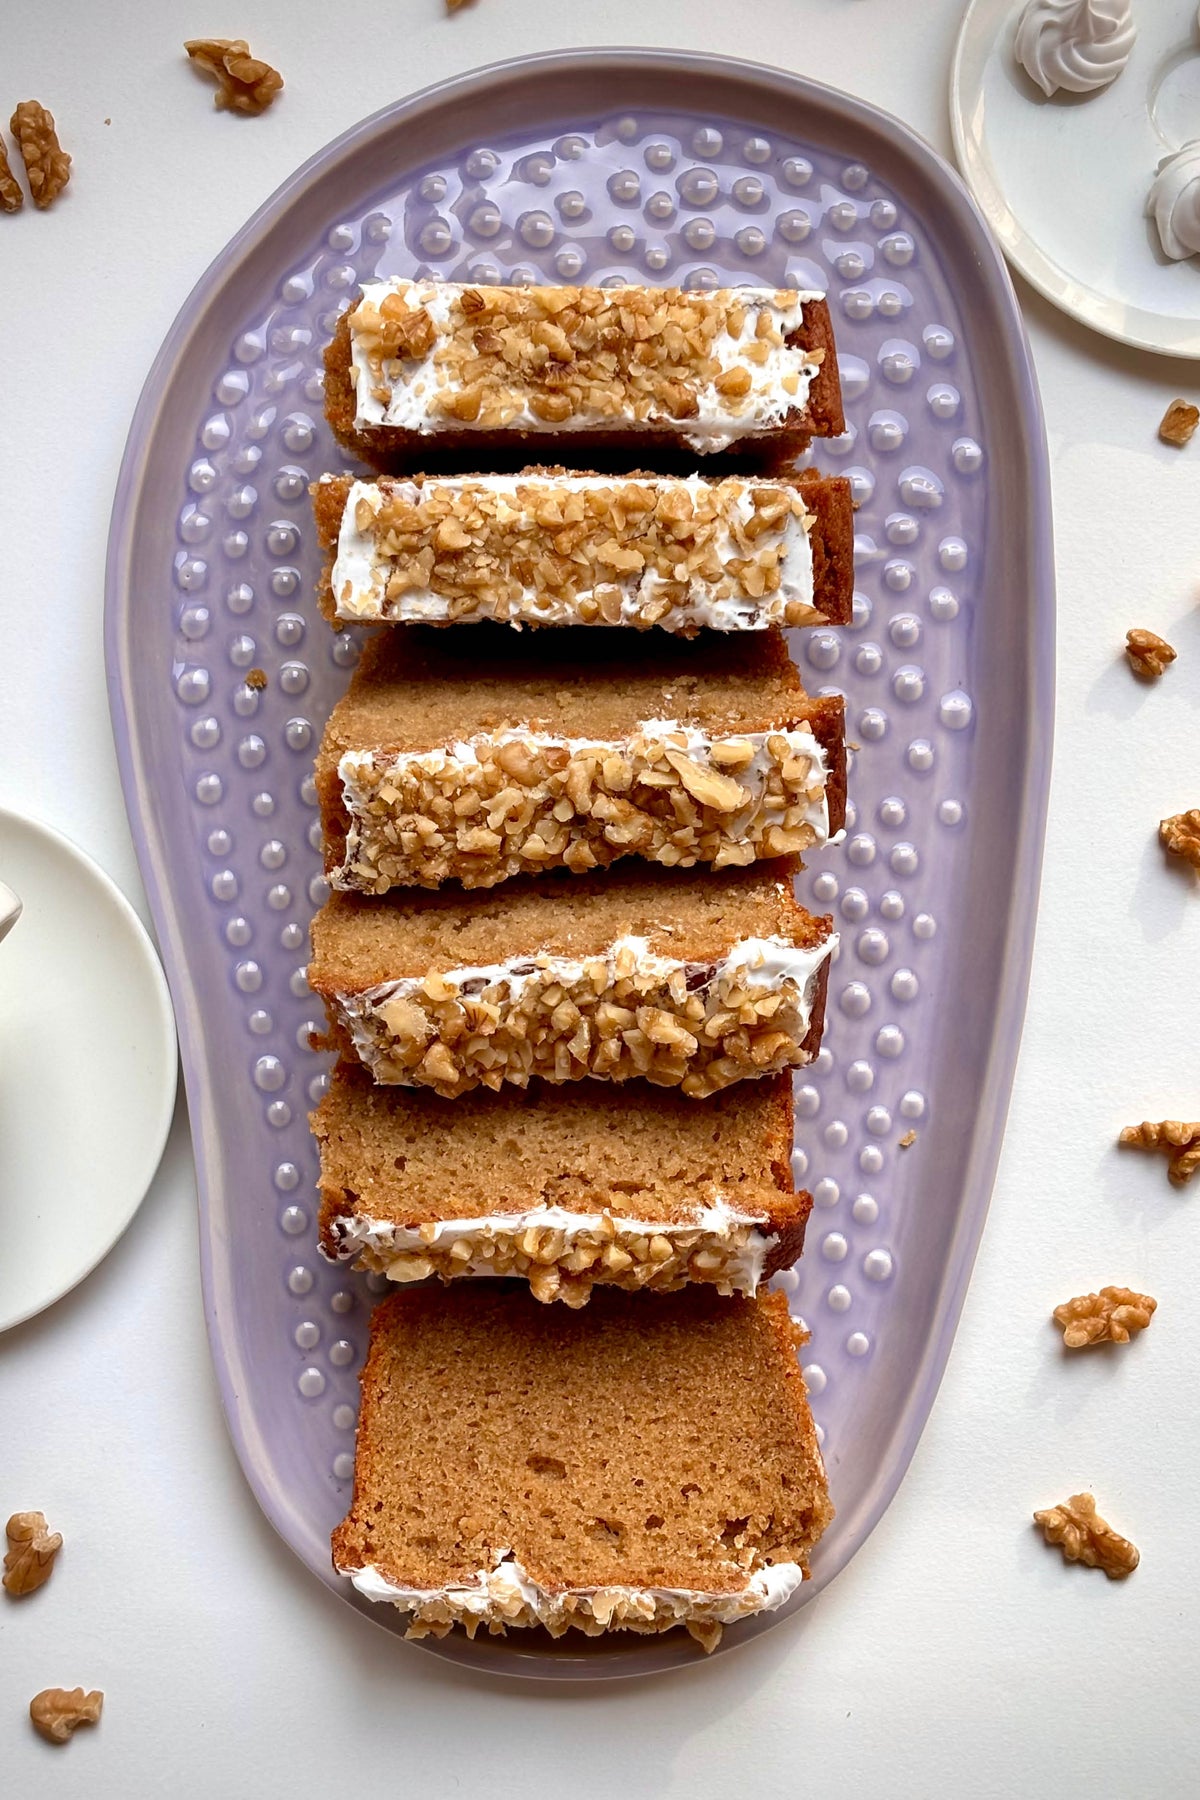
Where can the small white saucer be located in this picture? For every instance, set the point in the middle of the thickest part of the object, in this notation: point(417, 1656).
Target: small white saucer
point(88, 1064)
point(1063, 182)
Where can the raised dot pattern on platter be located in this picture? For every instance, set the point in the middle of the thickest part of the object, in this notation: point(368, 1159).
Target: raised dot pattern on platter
point(678, 201)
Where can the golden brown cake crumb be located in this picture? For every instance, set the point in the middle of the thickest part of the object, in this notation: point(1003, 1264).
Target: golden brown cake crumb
point(256, 678)
point(1112, 1316)
point(1179, 1140)
point(11, 197)
point(32, 1548)
point(246, 84)
point(1180, 835)
point(1179, 423)
point(1148, 654)
point(1083, 1536)
point(908, 1140)
point(57, 1711)
point(47, 164)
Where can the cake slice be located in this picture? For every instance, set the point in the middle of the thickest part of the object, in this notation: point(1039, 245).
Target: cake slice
point(565, 1187)
point(551, 547)
point(646, 1463)
point(416, 365)
point(692, 981)
point(477, 756)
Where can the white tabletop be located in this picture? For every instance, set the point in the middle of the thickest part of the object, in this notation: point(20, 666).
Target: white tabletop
point(956, 1655)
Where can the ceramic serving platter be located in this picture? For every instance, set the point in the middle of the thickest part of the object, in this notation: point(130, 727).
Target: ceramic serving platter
point(606, 166)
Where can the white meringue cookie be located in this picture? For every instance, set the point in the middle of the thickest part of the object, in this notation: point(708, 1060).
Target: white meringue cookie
point(1174, 202)
point(1081, 45)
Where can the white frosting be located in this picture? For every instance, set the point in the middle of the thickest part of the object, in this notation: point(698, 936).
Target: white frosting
point(489, 1592)
point(1080, 45)
point(381, 1238)
point(360, 770)
point(1174, 202)
point(360, 570)
point(413, 381)
point(772, 960)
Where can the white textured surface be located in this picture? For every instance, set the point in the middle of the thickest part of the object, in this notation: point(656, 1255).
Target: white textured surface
point(955, 1656)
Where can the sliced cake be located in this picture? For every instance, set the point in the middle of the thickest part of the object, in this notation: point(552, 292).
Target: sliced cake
point(646, 1463)
point(550, 547)
point(565, 1187)
point(477, 756)
point(416, 365)
point(692, 981)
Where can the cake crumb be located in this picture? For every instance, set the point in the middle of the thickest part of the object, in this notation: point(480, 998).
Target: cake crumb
point(1148, 654)
point(1083, 1536)
point(1179, 1140)
point(1179, 423)
point(32, 1548)
point(908, 1140)
point(1113, 1316)
point(47, 164)
point(256, 678)
point(11, 197)
point(246, 84)
point(57, 1711)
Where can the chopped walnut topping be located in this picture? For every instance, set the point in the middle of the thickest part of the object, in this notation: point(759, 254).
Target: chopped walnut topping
point(245, 83)
point(11, 197)
point(57, 1711)
point(1112, 1316)
point(1180, 835)
point(47, 165)
point(562, 1267)
point(32, 1548)
point(1148, 655)
point(511, 805)
point(1180, 1141)
point(1083, 1536)
point(636, 552)
point(256, 678)
point(1179, 423)
point(696, 1027)
point(642, 354)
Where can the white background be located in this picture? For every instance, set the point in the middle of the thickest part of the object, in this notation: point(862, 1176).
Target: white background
point(956, 1655)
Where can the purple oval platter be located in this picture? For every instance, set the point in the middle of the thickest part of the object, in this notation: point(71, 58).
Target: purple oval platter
point(606, 165)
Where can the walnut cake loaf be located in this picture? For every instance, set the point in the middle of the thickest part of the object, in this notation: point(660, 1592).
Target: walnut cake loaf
point(646, 1463)
point(421, 365)
point(565, 1187)
point(690, 980)
point(477, 756)
point(554, 547)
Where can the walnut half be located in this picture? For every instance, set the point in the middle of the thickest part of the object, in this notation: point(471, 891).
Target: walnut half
point(1180, 835)
point(47, 164)
point(1083, 1536)
point(32, 1548)
point(245, 83)
point(1148, 654)
point(57, 1711)
point(1112, 1316)
point(1179, 1138)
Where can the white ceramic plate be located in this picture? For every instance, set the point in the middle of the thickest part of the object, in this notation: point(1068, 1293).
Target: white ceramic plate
point(88, 1064)
point(1063, 182)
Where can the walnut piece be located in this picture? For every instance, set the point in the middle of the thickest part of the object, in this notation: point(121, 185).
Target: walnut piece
point(256, 678)
point(246, 84)
point(1112, 1316)
point(1180, 835)
point(57, 1711)
point(1148, 654)
point(908, 1140)
point(32, 1548)
point(1179, 423)
point(1178, 1138)
point(47, 164)
point(1083, 1536)
point(11, 197)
